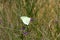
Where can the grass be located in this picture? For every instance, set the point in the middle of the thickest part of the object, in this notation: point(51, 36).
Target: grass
point(45, 15)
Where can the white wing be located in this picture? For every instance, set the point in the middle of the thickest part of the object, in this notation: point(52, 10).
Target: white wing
point(26, 20)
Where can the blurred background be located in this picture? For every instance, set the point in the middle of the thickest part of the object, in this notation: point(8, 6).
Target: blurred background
point(45, 24)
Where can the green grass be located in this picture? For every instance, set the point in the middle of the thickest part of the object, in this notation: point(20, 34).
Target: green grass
point(45, 24)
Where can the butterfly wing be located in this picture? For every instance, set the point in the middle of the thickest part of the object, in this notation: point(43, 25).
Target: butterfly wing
point(26, 20)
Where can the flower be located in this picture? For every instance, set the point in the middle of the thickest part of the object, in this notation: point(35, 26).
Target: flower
point(31, 19)
point(25, 33)
point(23, 28)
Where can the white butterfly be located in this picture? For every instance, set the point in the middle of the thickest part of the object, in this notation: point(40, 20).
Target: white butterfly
point(25, 19)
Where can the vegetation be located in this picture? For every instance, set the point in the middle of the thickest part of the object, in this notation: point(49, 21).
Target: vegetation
point(45, 16)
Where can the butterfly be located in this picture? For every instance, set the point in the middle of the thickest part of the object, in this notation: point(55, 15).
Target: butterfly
point(25, 20)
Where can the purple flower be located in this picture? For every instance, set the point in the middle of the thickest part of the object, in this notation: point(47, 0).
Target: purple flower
point(25, 33)
point(23, 28)
point(31, 19)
